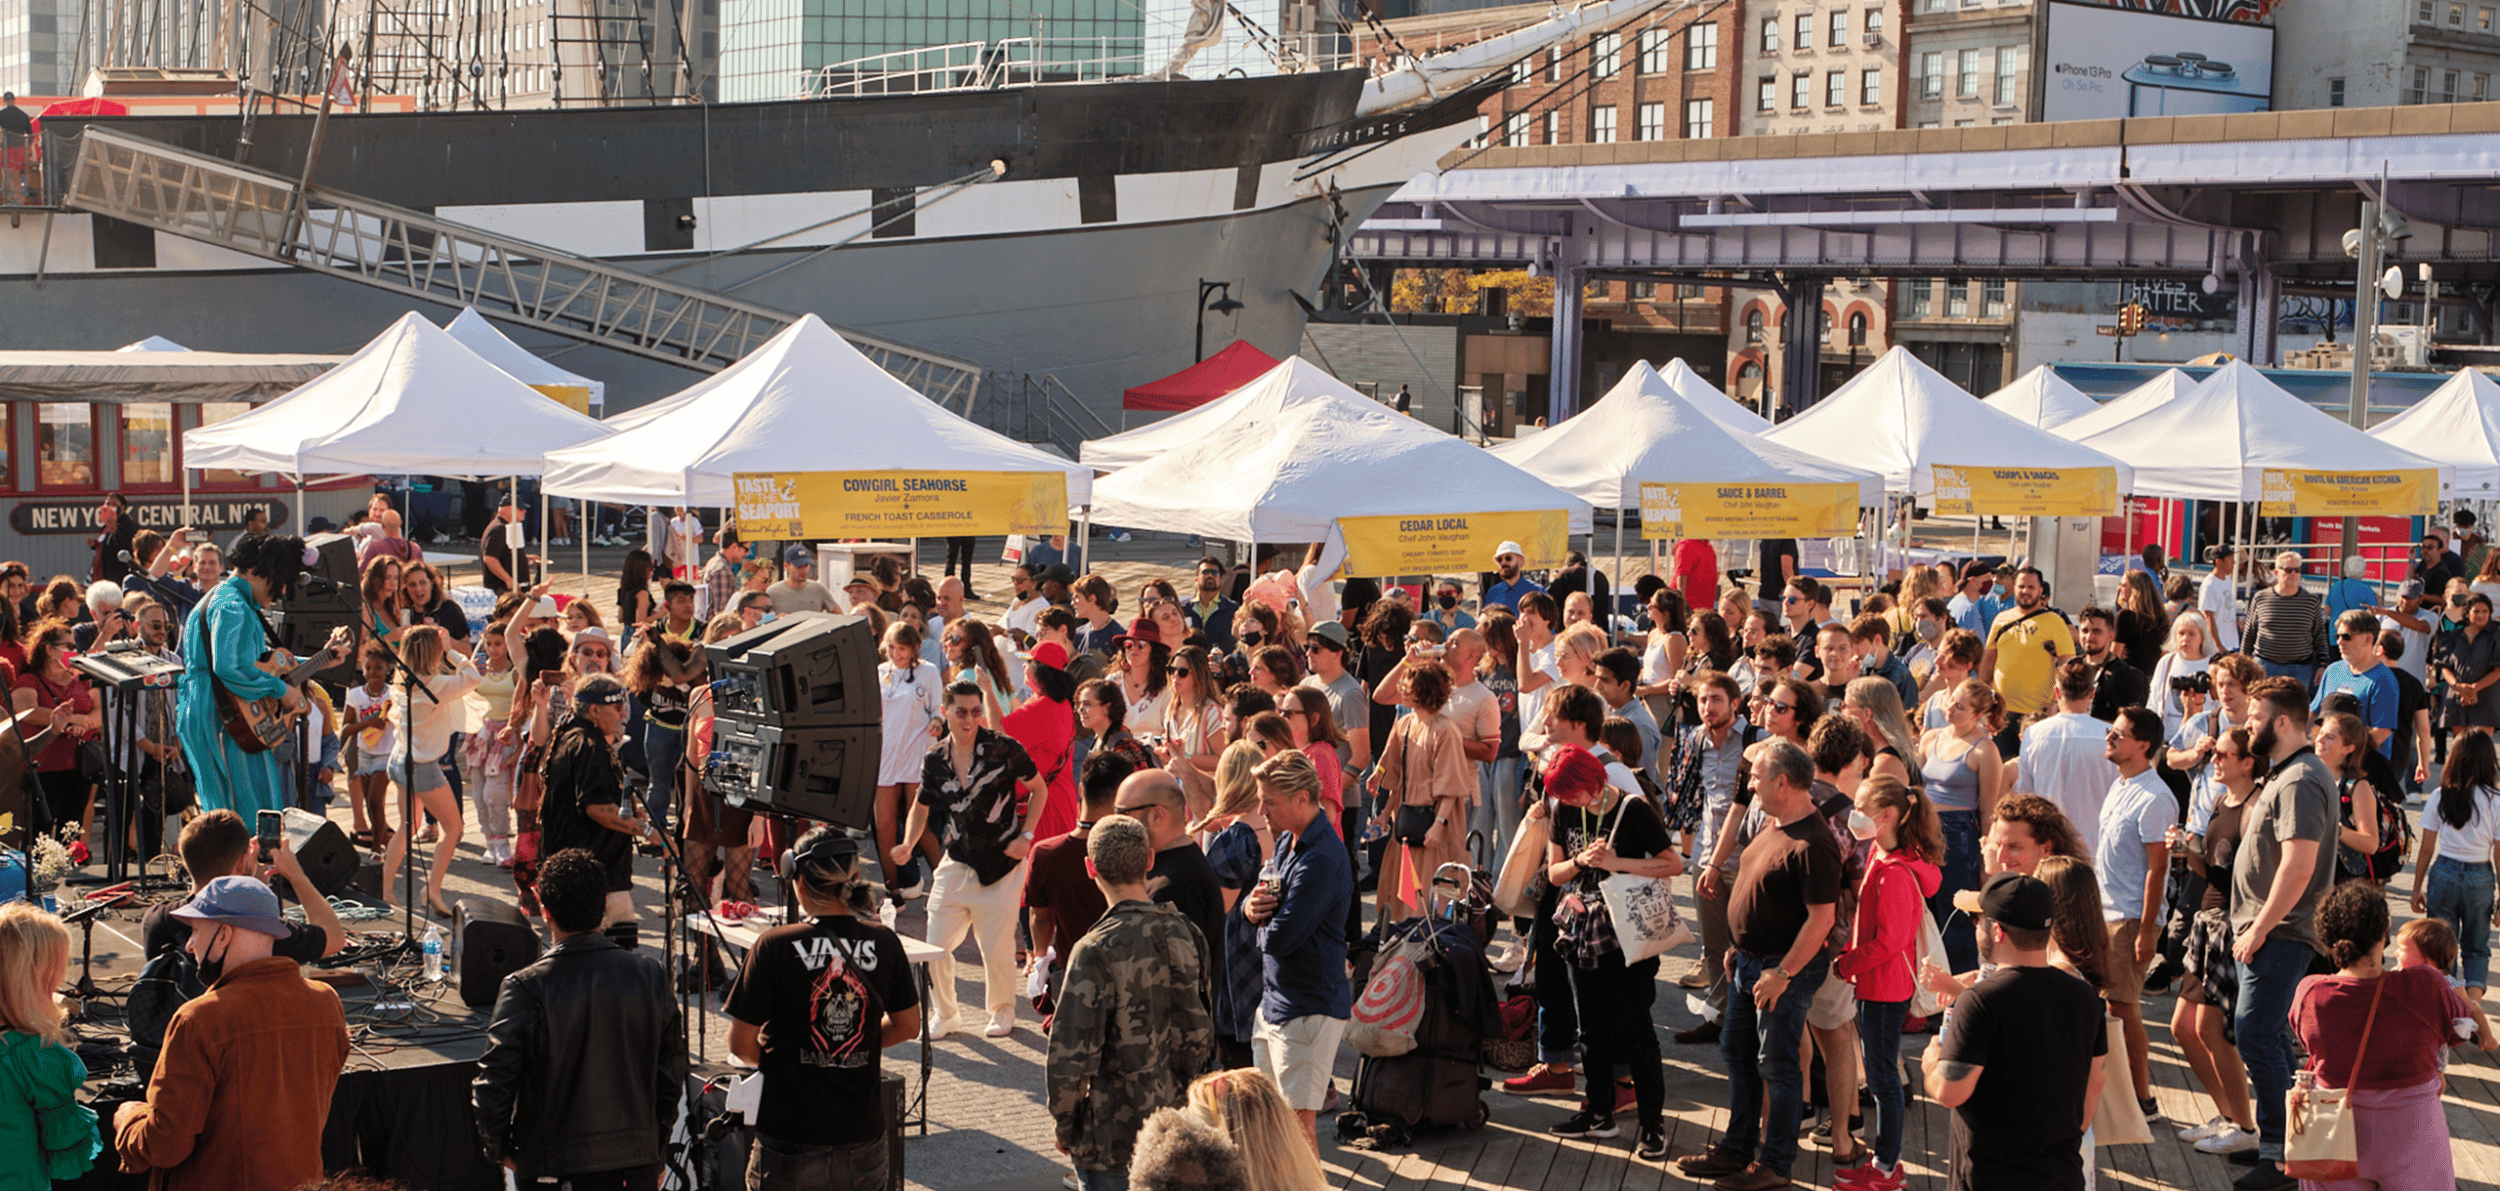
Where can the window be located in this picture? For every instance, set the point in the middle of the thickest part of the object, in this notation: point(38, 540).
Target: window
point(1823, 325)
point(1800, 90)
point(1966, 78)
point(2009, 62)
point(1553, 64)
point(1927, 124)
point(1515, 129)
point(1922, 298)
point(1701, 47)
point(1602, 125)
point(2456, 16)
point(1840, 27)
point(1857, 328)
point(1835, 88)
point(147, 443)
point(1766, 93)
point(1753, 325)
point(1992, 298)
point(2422, 10)
point(2421, 85)
point(2448, 86)
point(1688, 293)
point(2482, 20)
point(1645, 289)
point(1933, 5)
point(2482, 87)
point(1931, 75)
point(1871, 86)
point(2001, 120)
point(1553, 128)
point(1653, 122)
point(1956, 300)
point(1770, 35)
point(1484, 130)
point(1874, 22)
point(1605, 55)
point(2335, 93)
point(1522, 74)
point(1699, 116)
point(1654, 45)
point(1805, 31)
point(65, 445)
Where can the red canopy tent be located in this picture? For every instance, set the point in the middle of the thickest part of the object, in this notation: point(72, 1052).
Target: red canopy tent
point(1236, 365)
point(92, 106)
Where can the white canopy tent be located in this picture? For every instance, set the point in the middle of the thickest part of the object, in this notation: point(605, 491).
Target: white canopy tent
point(805, 401)
point(2042, 398)
point(2153, 394)
point(1287, 474)
point(2216, 441)
point(153, 343)
point(1278, 389)
point(1707, 398)
point(1902, 418)
point(480, 336)
point(1645, 431)
point(2458, 424)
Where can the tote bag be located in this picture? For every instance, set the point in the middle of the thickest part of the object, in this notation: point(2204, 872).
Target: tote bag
point(2118, 1121)
point(1643, 910)
point(2319, 1139)
point(1522, 880)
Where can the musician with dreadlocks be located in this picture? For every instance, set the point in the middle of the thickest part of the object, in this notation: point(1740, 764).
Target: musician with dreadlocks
point(815, 1008)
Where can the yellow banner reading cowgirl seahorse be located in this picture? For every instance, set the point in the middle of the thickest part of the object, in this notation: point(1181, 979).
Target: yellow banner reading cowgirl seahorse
point(1748, 510)
point(2027, 491)
point(2348, 493)
point(1426, 544)
point(899, 504)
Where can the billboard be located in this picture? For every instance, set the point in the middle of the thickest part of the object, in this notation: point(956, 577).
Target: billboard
point(2102, 61)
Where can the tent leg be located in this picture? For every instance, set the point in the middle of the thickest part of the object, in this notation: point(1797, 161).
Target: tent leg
point(542, 524)
point(186, 496)
point(2126, 513)
point(1616, 588)
point(1085, 540)
point(581, 533)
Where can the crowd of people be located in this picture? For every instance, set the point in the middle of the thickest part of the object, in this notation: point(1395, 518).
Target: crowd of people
point(1951, 805)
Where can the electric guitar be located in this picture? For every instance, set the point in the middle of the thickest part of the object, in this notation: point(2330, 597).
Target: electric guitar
point(258, 725)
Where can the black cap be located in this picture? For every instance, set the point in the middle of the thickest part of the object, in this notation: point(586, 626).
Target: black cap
point(2012, 899)
point(1060, 574)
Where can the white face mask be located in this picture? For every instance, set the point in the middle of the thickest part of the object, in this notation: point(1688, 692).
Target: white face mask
point(1860, 825)
point(1929, 630)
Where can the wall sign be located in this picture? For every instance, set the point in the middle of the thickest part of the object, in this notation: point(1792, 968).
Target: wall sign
point(207, 513)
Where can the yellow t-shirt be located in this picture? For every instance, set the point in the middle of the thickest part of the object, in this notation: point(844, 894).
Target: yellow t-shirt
point(2027, 655)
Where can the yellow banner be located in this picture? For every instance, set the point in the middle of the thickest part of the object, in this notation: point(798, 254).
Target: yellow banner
point(2348, 493)
point(1451, 542)
point(1748, 511)
point(2027, 491)
point(899, 504)
point(575, 396)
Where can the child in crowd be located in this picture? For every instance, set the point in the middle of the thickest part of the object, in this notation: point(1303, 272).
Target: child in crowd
point(370, 705)
point(2427, 942)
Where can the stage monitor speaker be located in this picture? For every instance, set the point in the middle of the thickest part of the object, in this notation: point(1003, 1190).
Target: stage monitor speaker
point(338, 559)
point(492, 940)
point(328, 857)
point(827, 774)
point(305, 625)
point(812, 669)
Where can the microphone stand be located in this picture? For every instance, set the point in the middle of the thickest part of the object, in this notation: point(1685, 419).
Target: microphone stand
point(406, 679)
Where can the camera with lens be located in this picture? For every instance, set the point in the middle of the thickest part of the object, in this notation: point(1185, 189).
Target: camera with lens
point(2200, 683)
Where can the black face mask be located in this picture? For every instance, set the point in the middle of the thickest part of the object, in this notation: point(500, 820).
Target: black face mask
point(1252, 638)
point(211, 969)
point(1447, 600)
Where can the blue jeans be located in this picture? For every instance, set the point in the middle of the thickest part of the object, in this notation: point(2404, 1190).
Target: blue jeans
point(2263, 1023)
point(2303, 672)
point(1761, 1048)
point(1879, 1035)
point(663, 747)
point(2460, 894)
point(1101, 1180)
point(1961, 871)
point(1497, 805)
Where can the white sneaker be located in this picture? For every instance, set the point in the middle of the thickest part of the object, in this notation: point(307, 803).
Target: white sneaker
point(1000, 1026)
point(2232, 1140)
point(2208, 1129)
point(947, 1025)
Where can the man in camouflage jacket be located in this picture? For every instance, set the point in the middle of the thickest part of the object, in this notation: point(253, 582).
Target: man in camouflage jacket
point(1130, 1030)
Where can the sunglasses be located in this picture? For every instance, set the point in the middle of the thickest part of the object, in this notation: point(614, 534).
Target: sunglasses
point(1776, 705)
point(1135, 809)
point(1177, 671)
point(1788, 599)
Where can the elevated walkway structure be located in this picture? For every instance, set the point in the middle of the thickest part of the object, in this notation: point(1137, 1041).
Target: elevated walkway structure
point(271, 217)
point(2252, 203)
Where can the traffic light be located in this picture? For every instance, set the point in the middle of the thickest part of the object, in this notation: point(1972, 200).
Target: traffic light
point(2131, 318)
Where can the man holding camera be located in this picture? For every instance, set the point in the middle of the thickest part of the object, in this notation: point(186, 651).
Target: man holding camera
point(2116, 682)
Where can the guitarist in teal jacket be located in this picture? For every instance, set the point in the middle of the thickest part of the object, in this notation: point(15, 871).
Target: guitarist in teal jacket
point(226, 626)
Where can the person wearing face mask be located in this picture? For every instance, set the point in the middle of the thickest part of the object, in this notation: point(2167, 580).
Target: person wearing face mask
point(1870, 636)
point(243, 1086)
point(1905, 841)
point(1445, 610)
point(1917, 648)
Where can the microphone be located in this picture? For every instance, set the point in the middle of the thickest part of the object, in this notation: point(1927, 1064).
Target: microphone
point(124, 555)
point(313, 584)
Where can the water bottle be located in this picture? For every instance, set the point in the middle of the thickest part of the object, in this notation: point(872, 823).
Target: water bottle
point(433, 953)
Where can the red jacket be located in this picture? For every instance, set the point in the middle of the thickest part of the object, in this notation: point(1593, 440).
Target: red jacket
point(1883, 939)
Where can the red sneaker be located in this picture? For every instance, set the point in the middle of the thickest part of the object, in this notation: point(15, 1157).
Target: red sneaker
point(1544, 1077)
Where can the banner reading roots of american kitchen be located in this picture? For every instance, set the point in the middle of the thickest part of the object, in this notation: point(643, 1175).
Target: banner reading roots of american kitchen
point(2027, 491)
point(1424, 545)
point(899, 504)
point(2348, 493)
point(1748, 510)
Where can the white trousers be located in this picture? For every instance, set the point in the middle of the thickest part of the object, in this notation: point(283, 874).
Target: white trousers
point(961, 904)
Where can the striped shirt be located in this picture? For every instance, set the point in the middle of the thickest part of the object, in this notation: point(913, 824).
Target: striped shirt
point(2287, 629)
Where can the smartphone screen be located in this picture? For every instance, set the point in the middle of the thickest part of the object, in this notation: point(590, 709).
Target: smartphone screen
point(269, 826)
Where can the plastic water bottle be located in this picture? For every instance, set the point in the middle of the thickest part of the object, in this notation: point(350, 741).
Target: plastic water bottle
point(433, 953)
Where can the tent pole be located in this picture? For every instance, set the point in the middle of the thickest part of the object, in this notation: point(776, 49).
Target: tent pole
point(2126, 513)
point(1085, 540)
point(1616, 590)
point(542, 523)
point(581, 533)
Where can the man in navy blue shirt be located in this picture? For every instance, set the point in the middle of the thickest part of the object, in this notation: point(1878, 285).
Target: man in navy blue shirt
point(1507, 559)
point(2361, 672)
point(1209, 612)
point(1299, 907)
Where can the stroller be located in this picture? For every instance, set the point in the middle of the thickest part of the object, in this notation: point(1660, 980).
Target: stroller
point(1422, 1020)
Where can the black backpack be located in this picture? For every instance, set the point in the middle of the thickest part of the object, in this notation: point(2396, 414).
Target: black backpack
point(167, 983)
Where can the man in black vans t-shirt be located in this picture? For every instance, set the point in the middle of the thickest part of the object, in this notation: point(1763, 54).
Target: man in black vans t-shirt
point(2020, 1059)
point(816, 1006)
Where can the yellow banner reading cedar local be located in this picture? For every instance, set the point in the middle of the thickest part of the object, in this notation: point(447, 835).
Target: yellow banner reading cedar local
point(2027, 491)
point(1748, 510)
point(899, 504)
point(574, 397)
point(1424, 545)
point(2348, 493)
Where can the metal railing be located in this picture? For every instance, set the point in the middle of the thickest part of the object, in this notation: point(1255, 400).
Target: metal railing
point(270, 217)
point(977, 65)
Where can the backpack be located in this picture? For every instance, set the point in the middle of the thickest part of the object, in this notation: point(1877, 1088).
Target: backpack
point(1684, 802)
point(166, 984)
point(1392, 1004)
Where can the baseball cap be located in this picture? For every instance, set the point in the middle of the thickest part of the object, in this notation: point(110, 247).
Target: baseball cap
point(1573, 775)
point(2018, 901)
point(1332, 632)
point(1508, 548)
point(544, 608)
point(2412, 590)
point(1049, 653)
point(237, 901)
point(1975, 569)
point(797, 556)
point(1059, 573)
